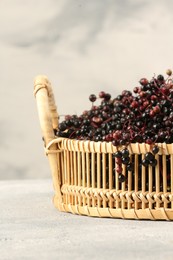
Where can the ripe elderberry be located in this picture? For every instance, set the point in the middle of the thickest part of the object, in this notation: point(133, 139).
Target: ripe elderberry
point(121, 178)
point(125, 153)
point(92, 97)
point(118, 154)
point(149, 156)
point(155, 149)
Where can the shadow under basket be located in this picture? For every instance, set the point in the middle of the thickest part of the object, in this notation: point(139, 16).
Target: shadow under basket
point(84, 178)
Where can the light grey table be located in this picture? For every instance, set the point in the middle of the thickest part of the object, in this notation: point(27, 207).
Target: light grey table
point(31, 228)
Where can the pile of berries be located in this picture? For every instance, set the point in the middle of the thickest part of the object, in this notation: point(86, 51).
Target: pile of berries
point(144, 116)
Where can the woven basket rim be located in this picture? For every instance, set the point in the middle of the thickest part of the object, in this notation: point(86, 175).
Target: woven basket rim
point(106, 147)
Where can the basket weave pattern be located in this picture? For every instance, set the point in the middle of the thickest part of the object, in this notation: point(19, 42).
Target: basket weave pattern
point(84, 178)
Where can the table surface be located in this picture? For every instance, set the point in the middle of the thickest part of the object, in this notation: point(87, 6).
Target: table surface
point(31, 228)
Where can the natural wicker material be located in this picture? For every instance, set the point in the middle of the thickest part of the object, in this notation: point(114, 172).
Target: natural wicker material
point(84, 178)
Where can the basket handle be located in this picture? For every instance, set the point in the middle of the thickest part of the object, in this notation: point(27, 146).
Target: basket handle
point(48, 117)
point(47, 109)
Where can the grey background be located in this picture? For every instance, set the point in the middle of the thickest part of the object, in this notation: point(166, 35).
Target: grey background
point(83, 46)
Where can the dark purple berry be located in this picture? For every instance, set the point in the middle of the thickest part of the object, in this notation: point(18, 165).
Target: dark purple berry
point(125, 160)
point(153, 162)
point(143, 81)
point(160, 78)
point(149, 156)
point(62, 126)
point(122, 178)
point(107, 97)
point(125, 153)
point(130, 167)
point(117, 154)
point(102, 94)
point(145, 162)
point(155, 149)
point(92, 97)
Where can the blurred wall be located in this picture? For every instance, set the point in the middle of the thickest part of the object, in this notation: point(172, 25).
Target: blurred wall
point(83, 46)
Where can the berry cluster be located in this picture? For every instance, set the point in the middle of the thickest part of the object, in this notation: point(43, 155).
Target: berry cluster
point(122, 157)
point(150, 157)
point(145, 116)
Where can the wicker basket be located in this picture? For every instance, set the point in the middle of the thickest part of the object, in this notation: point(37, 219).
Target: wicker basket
point(83, 176)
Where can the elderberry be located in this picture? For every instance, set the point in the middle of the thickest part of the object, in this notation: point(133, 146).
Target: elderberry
point(117, 154)
point(145, 162)
point(62, 126)
point(92, 97)
point(130, 167)
point(121, 178)
point(125, 153)
point(149, 156)
point(155, 149)
point(153, 162)
point(125, 160)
